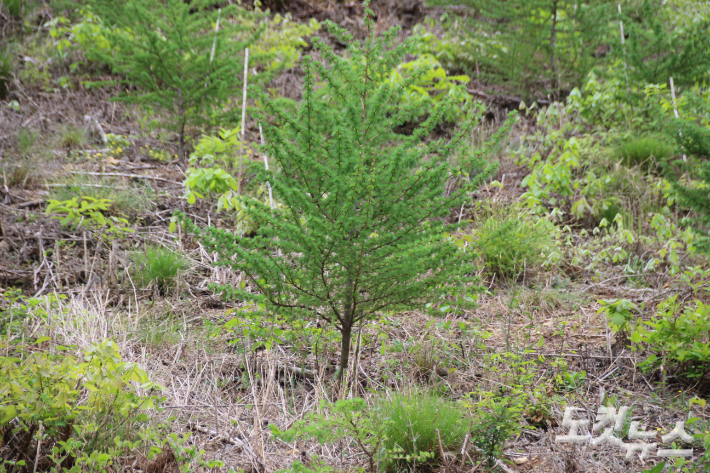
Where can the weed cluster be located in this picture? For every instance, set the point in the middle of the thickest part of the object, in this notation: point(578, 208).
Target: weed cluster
point(512, 243)
point(420, 426)
point(127, 200)
point(80, 404)
point(158, 268)
point(648, 152)
point(418, 431)
point(72, 137)
point(21, 173)
point(6, 70)
point(678, 338)
point(14, 7)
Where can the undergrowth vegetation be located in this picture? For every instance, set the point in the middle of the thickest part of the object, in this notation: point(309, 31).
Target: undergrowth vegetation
point(512, 242)
point(419, 426)
point(158, 268)
point(83, 405)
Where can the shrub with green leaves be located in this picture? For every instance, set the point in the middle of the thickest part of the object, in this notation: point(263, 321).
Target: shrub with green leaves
point(494, 423)
point(619, 312)
point(214, 173)
point(512, 242)
point(12, 311)
point(553, 179)
point(678, 338)
point(126, 199)
point(17, 311)
point(282, 40)
point(412, 421)
point(695, 193)
point(213, 165)
point(432, 85)
point(87, 212)
point(158, 267)
point(84, 406)
point(452, 43)
point(363, 220)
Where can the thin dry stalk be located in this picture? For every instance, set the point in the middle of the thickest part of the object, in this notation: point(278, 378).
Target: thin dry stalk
point(258, 421)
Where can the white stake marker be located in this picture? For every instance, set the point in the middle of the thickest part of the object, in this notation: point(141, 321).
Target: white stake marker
point(244, 117)
point(675, 111)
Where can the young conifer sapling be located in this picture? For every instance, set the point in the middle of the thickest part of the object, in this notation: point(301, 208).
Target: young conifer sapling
point(175, 60)
point(363, 227)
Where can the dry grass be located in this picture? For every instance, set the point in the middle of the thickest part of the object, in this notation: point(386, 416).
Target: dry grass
point(229, 399)
point(22, 174)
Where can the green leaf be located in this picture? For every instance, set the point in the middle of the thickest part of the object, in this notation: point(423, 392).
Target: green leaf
point(7, 413)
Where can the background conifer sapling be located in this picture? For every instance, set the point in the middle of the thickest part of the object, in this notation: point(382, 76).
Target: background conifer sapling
point(165, 51)
point(362, 228)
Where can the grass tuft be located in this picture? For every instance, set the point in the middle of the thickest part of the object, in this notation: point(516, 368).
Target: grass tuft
point(647, 152)
point(72, 137)
point(20, 174)
point(13, 7)
point(412, 421)
point(25, 141)
point(158, 332)
point(512, 242)
point(159, 267)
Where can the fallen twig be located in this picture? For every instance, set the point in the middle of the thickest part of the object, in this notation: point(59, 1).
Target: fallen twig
point(132, 176)
point(498, 463)
point(230, 440)
point(222, 438)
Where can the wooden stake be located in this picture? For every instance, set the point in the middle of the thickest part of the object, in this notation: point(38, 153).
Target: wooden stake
point(675, 112)
point(623, 45)
point(112, 265)
point(244, 117)
point(40, 249)
point(39, 446)
point(216, 29)
point(179, 227)
point(266, 165)
point(214, 44)
point(58, 262)
point(86, 258)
